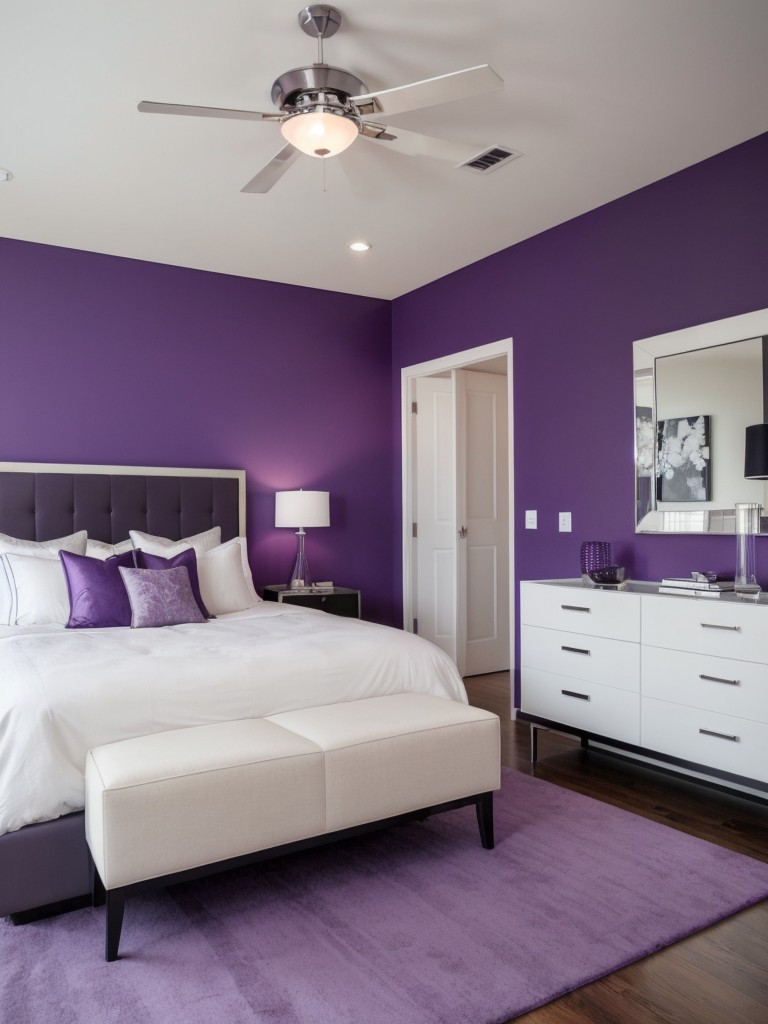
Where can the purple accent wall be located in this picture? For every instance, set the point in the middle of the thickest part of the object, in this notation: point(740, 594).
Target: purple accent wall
point(108, 360)
point(686, 250)
point(119, 361)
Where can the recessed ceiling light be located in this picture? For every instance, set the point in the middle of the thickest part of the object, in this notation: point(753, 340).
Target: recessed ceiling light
point(360, 246)
point(5, 175)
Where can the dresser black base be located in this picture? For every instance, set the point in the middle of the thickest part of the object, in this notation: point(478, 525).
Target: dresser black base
point(652, 758)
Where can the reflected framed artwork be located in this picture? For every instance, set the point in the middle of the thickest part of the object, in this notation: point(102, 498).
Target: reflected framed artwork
point(683, 464)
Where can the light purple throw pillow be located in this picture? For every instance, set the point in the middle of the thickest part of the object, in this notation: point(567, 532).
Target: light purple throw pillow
point(97, 596)
point(160, 598)
point(188, 558)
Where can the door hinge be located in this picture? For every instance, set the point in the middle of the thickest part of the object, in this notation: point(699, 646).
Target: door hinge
point(414, 407)
point(414, 530)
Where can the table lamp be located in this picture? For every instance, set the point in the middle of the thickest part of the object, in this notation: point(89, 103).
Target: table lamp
point(300, 509)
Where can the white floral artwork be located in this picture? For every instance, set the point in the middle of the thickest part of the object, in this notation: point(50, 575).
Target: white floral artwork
point(644, 438)
point(683, 469)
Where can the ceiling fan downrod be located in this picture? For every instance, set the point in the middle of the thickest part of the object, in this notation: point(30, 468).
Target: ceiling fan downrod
point(321, 22)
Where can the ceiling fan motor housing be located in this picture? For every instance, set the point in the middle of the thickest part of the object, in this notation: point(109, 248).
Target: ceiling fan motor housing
point(291, 86)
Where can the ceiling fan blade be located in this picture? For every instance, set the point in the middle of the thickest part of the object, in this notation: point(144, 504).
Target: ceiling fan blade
point(272, 172)
point(415, 144)
point(458, 85)
point(148, 107)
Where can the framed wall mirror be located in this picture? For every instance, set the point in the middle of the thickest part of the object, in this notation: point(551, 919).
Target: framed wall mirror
point(695, 393)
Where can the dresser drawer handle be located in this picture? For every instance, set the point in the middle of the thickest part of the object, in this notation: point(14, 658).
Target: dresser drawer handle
point(716, 625)
point(719, 735)
point(575, 608)
point(718, 679)
point(573, 693)
point(575, 650)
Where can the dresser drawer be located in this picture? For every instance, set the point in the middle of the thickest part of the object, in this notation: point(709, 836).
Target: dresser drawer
point(735, 688)
point(594, 658)
point(726, 629)
point(706, 738)
point(581, 610)
point(604, 710)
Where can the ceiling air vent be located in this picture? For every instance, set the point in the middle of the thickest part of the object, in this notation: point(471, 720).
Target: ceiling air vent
point(490, 159)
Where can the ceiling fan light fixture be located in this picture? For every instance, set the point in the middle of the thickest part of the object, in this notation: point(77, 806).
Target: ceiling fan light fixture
point(321, 131)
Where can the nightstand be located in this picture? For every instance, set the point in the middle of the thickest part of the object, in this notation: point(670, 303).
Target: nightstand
point(336, 600)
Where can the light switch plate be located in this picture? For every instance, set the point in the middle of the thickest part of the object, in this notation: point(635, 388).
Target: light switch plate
point(531, 519)
point(564, 522)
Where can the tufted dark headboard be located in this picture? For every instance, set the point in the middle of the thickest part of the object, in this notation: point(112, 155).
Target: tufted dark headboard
point(40, 501)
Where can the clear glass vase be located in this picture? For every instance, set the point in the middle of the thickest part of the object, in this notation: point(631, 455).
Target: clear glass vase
point(747, 525)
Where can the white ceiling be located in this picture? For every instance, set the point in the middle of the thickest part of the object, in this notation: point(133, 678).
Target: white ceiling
point(601, 96)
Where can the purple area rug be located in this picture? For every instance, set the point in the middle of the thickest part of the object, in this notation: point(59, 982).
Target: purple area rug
point(418, 925)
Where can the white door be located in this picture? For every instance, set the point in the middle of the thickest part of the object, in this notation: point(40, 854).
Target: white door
point(435, 507)
point(483, 520)
point(460, 499)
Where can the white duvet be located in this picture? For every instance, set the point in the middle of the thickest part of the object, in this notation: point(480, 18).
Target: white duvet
point(64, 691)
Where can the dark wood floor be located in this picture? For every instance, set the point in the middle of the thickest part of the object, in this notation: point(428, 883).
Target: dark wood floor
point(720, 975)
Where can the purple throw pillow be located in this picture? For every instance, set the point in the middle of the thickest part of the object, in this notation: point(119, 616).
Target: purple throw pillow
point(188, 559)
point(160, 598)
point(97, 595)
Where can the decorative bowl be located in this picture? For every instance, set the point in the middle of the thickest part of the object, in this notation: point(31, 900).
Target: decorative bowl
point(608, 574)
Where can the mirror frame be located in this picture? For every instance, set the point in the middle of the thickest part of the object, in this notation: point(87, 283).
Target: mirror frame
point(645, 352)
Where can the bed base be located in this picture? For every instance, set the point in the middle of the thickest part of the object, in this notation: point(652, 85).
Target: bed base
point(44, 869)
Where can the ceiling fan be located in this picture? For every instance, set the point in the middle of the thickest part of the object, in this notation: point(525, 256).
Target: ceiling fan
point(323, 110)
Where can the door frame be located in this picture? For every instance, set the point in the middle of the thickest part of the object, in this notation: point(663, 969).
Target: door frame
point(469, 358)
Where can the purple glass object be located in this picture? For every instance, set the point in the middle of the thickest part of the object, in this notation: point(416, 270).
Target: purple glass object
point(595, 554)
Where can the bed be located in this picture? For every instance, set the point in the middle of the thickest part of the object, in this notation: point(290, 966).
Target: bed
point(64, 690)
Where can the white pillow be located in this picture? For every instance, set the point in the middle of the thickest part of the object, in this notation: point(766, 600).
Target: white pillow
point(37, 589)
point(75, 542)
point(226, 584)
point(166, 548)
point(98, 549)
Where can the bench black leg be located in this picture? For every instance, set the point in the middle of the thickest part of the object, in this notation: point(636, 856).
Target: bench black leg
point(484, 808)
point(98, 892)
point(115, 910)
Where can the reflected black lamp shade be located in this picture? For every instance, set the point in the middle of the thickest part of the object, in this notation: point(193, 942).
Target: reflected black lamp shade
point(756, 452)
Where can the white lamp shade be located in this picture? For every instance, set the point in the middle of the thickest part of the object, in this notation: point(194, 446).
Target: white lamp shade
point(302, 508)
point(319, 133)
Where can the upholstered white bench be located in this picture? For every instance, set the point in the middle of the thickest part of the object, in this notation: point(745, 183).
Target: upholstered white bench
point(177, 805)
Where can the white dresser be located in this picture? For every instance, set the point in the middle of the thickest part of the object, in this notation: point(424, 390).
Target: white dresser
point(681, 677)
